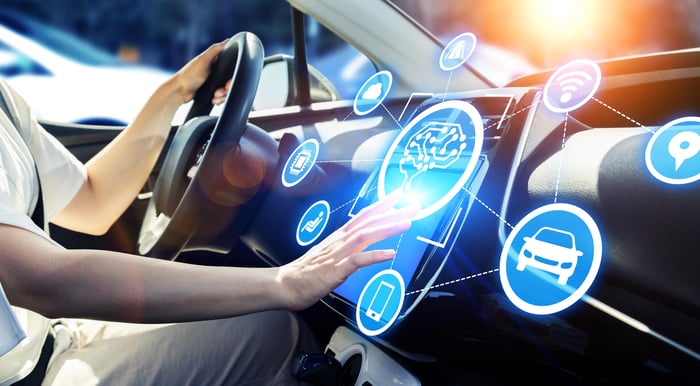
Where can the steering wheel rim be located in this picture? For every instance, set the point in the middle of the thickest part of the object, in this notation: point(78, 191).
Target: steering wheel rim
point(189, 184)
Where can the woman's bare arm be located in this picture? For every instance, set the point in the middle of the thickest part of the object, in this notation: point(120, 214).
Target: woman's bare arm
point(117, 173)
point(38, 275)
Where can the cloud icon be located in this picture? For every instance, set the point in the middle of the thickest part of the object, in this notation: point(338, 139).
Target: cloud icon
point(372, 92)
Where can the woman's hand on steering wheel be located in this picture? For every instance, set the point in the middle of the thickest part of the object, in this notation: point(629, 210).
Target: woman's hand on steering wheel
point(193, 187)
point(193, 74)
point(221, 93)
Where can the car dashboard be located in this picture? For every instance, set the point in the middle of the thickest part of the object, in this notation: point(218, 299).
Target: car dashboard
point(463, 299)
point(636, 315)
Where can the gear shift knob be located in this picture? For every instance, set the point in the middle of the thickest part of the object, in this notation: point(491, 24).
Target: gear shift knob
point(317, 369)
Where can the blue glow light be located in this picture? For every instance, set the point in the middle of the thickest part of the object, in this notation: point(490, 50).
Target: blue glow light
point(434, 155)
point(550, 259)
point(673, 152)
point(572, 85)
point(380, 302)
point(372, 93)
point(300, 163)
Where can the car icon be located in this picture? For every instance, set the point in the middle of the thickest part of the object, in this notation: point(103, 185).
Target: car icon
point(552, 250)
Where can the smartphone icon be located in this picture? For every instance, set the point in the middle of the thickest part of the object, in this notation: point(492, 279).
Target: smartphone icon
point(379, 301)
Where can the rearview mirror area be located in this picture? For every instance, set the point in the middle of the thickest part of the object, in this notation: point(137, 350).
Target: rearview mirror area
point(278, 85)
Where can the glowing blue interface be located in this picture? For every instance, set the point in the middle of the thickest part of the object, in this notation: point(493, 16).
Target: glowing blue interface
point(410, 247)
point(431, 161)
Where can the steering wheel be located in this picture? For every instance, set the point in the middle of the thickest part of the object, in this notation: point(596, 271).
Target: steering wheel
point(198, 190)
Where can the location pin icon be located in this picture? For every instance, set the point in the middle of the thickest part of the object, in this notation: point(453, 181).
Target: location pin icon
point(684, 145)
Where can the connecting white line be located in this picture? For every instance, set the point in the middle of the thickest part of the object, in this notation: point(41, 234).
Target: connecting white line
point(408, 102)
point(447, 86)
point(348, 116)
point(453, 281)
point(561, 159)
point(343, 161)
point(488, 208)
point(618, 112)
point(341, 206)
point(528, 107)
point(398, 244)
point(392, 116)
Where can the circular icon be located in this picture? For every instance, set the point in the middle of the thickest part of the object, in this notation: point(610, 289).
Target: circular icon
point(380, 302)
point(372, 93)
point(434, 155)
point(550, 259)
point(313, 222)
point(299, 164)
point(672, 153)
point(457, 51)
point(572, 85)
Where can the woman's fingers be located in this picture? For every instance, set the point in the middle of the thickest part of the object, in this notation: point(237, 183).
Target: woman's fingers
point(365, 258)
point(221, 93)
point(376, 223)
point(382, 211)
point(339, 255)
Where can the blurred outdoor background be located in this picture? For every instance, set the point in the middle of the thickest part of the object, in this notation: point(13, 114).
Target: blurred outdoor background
point(43, 37)
point(166, 33)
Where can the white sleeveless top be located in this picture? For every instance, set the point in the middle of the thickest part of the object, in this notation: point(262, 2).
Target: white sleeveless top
point(22, 332)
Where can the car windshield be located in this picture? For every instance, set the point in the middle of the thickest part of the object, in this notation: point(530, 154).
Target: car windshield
point(514, 38)
point(555, 237)
point(549, 33)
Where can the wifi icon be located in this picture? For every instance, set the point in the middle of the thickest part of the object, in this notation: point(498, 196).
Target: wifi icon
point(572, 85)
point(570, 82)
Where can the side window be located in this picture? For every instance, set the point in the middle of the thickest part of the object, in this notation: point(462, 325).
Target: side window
point(340, 63)
point(336, 70)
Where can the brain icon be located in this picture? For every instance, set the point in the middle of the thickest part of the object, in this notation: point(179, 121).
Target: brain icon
point(437, 145)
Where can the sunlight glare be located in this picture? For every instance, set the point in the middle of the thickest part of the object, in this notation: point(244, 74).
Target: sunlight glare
point(562, 16)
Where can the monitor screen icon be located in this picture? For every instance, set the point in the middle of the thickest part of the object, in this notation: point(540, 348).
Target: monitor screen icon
point(300, 162)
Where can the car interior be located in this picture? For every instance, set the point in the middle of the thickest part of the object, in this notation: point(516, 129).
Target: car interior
point(219, 196)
